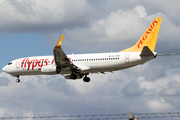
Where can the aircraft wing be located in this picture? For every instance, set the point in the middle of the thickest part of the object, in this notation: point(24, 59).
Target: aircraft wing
point(61, 59)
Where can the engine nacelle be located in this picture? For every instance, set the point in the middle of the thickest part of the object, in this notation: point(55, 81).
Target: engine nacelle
point(49, 69)
point(79, 76)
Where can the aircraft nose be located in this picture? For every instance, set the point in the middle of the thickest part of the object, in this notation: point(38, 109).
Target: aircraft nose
point(4, 69)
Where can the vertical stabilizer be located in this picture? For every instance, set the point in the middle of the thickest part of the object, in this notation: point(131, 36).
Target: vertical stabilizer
point(149, 37)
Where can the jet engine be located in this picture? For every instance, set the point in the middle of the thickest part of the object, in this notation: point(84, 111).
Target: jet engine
point(79, 76)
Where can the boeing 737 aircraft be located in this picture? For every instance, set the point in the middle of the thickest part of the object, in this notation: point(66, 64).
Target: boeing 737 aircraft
point(77, 66)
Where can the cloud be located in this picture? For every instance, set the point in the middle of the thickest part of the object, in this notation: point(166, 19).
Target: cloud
point(159, 105)
point(34, 16)
point(132, 89)
point(4, 81)
point(141, 11)
point(173, 89)
point(109, 93)
point(121, 29)
point(99, 25)
point(119, 26)
point(53, 95)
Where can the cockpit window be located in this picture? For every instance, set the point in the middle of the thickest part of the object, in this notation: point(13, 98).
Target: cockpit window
point(10, 63)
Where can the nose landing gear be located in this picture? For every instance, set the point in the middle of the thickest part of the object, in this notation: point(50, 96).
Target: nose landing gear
point(18, 80)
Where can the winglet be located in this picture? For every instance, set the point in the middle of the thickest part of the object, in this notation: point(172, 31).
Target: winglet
point(59, 42)
point(149, 37)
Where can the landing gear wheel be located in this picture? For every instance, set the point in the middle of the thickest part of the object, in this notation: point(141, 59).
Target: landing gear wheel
point(86, 79)
point(18, 80)
point(73, 76)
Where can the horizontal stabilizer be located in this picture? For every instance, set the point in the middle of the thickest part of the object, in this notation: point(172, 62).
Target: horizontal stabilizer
point(166, 54)
point(146, 51)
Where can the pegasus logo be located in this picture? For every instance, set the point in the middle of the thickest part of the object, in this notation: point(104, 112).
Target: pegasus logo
point(146, 34)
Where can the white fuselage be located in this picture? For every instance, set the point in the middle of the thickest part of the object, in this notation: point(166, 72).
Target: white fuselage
point(80, 65)
point(89, 63)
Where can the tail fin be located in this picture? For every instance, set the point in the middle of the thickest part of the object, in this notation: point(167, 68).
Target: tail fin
point(149, 37)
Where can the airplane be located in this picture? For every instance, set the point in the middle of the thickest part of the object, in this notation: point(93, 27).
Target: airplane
point(78, 66)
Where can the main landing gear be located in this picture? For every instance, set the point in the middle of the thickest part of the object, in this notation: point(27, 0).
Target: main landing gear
point(73, 76)
point(86, 79)
point(18, 80)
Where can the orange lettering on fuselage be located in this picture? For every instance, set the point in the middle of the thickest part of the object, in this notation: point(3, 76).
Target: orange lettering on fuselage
point(145, 35)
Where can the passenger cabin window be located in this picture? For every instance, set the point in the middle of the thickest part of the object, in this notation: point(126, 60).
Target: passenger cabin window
point(10, 63)
point(96, 59)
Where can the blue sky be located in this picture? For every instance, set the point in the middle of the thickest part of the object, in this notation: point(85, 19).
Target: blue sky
point(33, 27)
point(15, 46)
